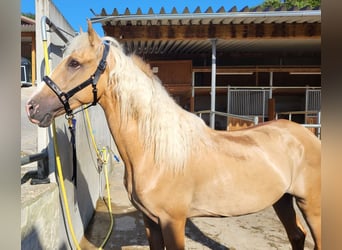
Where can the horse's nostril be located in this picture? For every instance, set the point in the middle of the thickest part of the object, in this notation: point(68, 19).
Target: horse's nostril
point(31, 109)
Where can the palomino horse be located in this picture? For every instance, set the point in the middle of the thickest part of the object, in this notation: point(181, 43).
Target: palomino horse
point(176, 167)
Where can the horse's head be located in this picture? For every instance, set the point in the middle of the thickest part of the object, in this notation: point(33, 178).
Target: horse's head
point(77, 80)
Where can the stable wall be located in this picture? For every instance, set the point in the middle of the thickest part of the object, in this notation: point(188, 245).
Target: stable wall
point(42, 210)
point(177, 72)
point(176, 76)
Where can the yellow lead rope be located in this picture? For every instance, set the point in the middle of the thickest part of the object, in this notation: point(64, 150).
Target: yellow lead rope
point(92, 134)
point(60, 172)
point(62, 186)
point(109, 204)
point(104, 161)
point(58, 160)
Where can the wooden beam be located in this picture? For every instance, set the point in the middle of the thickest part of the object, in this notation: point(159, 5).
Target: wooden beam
point(219, 31)
point(266, 68)
point(177, 88)
point(27, 34)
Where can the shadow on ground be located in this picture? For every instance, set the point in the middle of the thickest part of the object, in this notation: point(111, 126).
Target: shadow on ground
point(129, 232)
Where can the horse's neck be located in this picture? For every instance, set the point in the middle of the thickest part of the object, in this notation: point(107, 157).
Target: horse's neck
point(126, 138)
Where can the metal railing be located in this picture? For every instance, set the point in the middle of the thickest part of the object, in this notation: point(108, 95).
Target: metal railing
point(312, 100)
point(253, 100)
point(308, 114)
point(248, 101)
point(253, 119)
point(33, 157)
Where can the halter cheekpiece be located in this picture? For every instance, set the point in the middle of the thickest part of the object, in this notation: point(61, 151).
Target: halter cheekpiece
point(93, 79)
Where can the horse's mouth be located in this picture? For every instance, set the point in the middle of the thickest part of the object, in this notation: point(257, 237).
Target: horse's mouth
point(44, 122)
point(41, 116)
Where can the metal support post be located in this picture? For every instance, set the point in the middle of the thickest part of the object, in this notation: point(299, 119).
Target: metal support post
point(213, 83)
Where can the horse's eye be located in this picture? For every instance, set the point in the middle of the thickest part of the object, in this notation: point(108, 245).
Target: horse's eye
point(74, 64)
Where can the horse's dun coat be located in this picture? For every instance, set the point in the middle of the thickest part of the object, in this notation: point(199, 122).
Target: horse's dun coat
point(175, 166)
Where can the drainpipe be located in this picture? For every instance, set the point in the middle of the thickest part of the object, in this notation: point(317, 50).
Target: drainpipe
point(53, 27)
point(213, 83)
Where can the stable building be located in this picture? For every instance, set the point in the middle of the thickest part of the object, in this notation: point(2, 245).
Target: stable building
point(252, 62)
point(28, 51)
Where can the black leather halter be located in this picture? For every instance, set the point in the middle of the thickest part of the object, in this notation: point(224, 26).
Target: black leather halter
point(93, 79)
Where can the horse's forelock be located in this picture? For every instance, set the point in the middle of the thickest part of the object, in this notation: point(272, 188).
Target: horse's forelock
point(82, 40)
point(78, 41)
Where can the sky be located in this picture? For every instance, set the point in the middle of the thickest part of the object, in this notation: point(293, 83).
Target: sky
point(76, 12)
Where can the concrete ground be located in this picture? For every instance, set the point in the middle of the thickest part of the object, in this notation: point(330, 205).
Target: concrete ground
point(256, 231)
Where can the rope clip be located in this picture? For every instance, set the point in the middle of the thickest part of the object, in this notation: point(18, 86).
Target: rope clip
point(99, 165)
point(70, 118)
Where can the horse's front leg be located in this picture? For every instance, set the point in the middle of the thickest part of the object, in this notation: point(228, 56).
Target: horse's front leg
point(173, 231)
point(154, 234)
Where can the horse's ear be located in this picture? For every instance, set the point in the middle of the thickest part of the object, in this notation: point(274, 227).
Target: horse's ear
point(93, 37)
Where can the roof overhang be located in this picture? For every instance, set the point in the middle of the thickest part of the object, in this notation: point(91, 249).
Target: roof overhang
point(28, 29)
point(191, 33)
point(309, 16)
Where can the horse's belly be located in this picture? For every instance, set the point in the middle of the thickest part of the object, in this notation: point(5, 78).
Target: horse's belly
point(231, 206)
point(237, 191)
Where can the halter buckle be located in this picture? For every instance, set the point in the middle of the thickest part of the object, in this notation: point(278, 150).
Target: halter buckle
point(102, 65)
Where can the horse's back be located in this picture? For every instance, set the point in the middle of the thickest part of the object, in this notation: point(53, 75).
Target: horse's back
point(306, 137)
point(299, 139)
point(253, 167)
point(287, 147)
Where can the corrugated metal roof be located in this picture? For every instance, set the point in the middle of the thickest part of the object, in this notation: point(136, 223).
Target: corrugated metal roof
point(221, 16)
point(27, 24)
point(163, 47)
point(246, 16)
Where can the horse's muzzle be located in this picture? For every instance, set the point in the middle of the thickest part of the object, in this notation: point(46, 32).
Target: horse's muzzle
point(35, 116)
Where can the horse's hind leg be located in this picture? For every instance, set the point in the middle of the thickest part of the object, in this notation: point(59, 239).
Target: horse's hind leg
point(311, 210)
point(287, 215)
point(154, 234)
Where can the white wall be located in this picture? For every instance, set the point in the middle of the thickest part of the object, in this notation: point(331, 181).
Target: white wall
point(81, 198)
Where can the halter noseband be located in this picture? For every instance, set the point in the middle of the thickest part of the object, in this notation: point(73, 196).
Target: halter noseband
point(93, 79)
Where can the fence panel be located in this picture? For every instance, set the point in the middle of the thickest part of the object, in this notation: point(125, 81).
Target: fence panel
point(313, 100)
point(248, 102)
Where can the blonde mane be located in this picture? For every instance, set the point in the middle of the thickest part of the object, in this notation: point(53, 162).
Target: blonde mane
point(167, 130)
